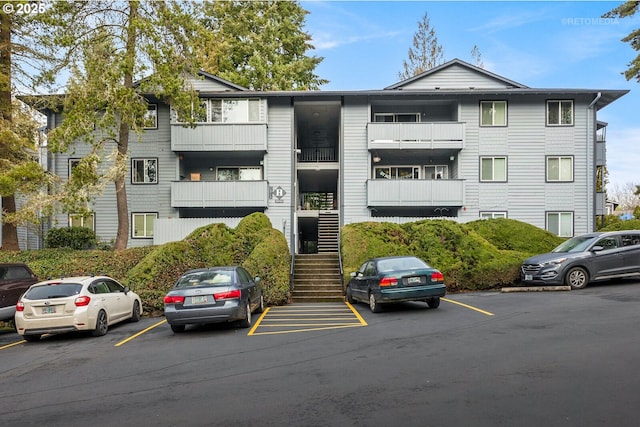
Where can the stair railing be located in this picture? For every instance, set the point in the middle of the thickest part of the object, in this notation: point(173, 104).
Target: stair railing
point(291, 272)
point(340, 261)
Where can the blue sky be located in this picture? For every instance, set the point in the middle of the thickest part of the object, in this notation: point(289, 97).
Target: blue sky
point(539, 44)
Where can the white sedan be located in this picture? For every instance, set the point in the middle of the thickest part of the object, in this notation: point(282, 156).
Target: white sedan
point(88, 303)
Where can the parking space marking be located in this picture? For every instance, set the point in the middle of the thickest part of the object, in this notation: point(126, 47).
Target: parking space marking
point(136, 335)
point(306, 318)
point(467, 306)
point(12, 344)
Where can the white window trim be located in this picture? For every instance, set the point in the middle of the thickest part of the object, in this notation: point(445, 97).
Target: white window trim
point(493, 168)
point(72, 164)
point(395, 117)
point(493, 214)
point(154, 108)
point(133, 224)
point(493, 111)
point(133, 170)
point(239, 168)
point(445, 171)
point(560, 178)
point(560, 101)
point(561, 232)
point(398, 166)
point(91, 216)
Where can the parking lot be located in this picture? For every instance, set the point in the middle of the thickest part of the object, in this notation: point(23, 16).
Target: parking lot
point(482, 359)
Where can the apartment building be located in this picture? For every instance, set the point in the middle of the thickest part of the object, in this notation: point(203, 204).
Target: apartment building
point(456, 141)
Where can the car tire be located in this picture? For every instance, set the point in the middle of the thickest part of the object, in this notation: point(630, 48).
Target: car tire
point(135, 312)
point(577, 278)
point(433, 302)
point(32, 337)
point(102, 325)
point(260, 308)
point(246, 321)
point(177, 328)
point(373, 304)
point(349, 293)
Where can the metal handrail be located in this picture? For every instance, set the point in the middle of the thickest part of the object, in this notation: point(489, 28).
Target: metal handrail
point(340, 261)
point(293, 263)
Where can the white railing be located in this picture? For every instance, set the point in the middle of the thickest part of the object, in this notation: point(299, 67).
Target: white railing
point(219, 137)
point(174, 229)
point(429, 134)
point(415, 192)
point(219, 194)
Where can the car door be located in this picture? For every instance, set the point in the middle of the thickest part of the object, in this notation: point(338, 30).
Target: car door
point(360, 282)
point(630, 252)
point(14, 280)
point(607, 261)
point(247, 283)
point(120, 304)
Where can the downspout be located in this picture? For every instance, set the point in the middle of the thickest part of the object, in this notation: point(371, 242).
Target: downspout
point(595, 168)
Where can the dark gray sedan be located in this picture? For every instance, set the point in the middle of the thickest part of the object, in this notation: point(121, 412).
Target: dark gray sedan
point(588, 258)
point(396, 279)
point(213, 295)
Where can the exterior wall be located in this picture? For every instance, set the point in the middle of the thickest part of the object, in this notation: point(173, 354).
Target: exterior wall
point(456, 77)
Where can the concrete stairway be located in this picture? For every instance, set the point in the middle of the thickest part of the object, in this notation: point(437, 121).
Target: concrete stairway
point(328, 228)
point(316, 278)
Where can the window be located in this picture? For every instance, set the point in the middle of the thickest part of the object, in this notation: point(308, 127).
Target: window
point(73, 163)
point(150, 119)
point(560, 169)
point(82, 220)
point(396, 117)
point(493, 169)
point(144, 171)
point(233, 110)
point(247, 173)
point(560, 223)
point(436, 172)
point(397, 172)
point(491, 215)
point(143, 224)
point(559, 113)
point(493, 113)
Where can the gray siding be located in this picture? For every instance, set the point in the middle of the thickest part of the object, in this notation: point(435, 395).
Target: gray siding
point(356, 163)
point(456, 77)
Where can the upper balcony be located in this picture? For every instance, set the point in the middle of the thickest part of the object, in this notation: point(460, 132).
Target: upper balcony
point(601, 153)
point(219, 194)
point(420, 135)
point(415, 192)
point(219, 137)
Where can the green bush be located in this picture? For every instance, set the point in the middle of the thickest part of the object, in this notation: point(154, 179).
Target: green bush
point(71, 237)
point(630, 224)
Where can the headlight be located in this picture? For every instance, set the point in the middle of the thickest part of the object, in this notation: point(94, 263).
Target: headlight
point(555, 261)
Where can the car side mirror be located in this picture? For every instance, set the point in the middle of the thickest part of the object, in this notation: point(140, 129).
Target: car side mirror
point(352, 274)
point(126, 290)
point(597, 248)
point(257, 279)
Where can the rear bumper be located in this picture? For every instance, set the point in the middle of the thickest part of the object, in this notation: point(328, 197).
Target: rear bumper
point(416, 293)
point(226, 313)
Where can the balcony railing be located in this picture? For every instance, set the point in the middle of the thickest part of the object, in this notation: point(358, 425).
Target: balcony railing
point(324, 154)
point(219, 137)
point(415, 192)
point(601, 154)
point(219, 194)
point(429, 135)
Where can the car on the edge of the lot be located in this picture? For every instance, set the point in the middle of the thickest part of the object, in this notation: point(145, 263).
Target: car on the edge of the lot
point(15, 278)
point(396, 279)
point(584, 259)
point(84, 303)
point(213, 295)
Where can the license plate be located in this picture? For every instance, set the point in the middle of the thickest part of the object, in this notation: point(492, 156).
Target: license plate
point(412, 280)
point(200, 299)
point(528, 277)
point(48, 310)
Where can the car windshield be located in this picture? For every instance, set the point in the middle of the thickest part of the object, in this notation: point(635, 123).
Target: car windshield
point(206, 278)
point(399, 264)
point(575, 244)
point(54, 290)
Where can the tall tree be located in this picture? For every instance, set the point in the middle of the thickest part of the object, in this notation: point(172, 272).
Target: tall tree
point(118, 51)
point(260, 45)
point(426, 52)
point(20, 173)
point(627, 9)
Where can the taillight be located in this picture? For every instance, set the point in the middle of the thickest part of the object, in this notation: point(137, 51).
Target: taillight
point(82, 301)
point(20, 306)
point(436, 276)
point(388, 281)
point(227, 295)
point(174, 299)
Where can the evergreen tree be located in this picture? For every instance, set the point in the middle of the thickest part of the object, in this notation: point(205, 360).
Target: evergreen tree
point(627, 9)
point(426, 52)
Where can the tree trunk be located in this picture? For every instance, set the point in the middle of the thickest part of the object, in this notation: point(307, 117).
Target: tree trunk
point(9, 231)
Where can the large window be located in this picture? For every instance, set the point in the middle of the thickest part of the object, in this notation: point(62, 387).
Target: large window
point(144, 171)
point(493, 169)
point(143, 225)
point(397, 172)
point(559, 169)
point(396, 117)
point(436, 172)
point(246, 173)
point(493, 113)
point(491, 215)
point(560, 223)
point(150, 120)
point(559, 113)
point(228, 111)
point(82, 220)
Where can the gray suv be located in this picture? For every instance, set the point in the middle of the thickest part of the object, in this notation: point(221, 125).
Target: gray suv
point(584, 259)
point(14, 281)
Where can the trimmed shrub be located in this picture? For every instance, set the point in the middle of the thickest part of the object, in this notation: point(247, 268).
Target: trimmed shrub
point(71, 237)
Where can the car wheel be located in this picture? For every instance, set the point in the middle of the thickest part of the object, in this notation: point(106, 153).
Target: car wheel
point(260, 308)
point(373, 304)
point(102, 326)
point(177, 328)
point(135, 313)
point(577, 278)
point(32, 337)
point(246, 322)
point(433, 302)
point(350, 299)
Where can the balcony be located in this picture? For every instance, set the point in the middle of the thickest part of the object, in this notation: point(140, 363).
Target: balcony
point(219, 137)
point(424, 135)
point(219, 194)
point(415, 192)
point(601, 153)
